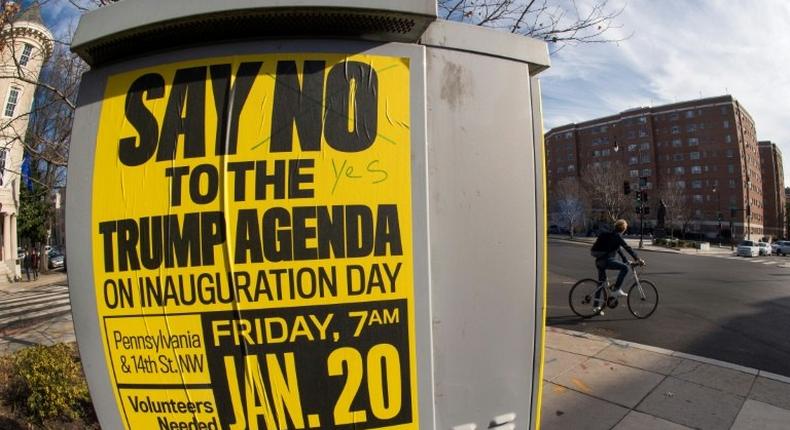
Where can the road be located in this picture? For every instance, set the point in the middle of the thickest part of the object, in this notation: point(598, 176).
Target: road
point(730, 309)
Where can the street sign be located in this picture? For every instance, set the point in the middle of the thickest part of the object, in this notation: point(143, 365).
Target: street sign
point(252, 242)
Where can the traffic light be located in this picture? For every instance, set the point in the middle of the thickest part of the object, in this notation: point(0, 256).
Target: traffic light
point(644, 196)
point(646, 210)
point(626, 188)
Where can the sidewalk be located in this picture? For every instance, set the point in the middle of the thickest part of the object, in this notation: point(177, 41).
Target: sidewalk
point(35, 313)
point(648, 246)
point(52, 277)
point(593, 383)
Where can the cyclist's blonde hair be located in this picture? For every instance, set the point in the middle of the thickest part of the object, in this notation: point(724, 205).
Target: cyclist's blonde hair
point(620, 225)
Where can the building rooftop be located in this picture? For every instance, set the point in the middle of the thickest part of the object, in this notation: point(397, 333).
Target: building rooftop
point(642, 110)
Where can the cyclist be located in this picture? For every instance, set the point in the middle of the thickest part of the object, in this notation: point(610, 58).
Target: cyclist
point(605, 250)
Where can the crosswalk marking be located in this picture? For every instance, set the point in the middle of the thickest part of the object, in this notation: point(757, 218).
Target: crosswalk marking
point(20, 308)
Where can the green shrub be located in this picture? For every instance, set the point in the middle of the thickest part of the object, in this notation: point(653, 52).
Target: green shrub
point(46, 382)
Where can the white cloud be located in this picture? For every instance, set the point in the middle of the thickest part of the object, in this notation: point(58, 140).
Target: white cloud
point(681, 50)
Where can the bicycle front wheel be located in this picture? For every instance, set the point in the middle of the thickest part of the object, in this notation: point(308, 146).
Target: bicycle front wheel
point(585, 296)
point(642, 299)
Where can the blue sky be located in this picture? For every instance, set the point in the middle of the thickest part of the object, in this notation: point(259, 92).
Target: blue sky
point(681, 50)
point(677, 50)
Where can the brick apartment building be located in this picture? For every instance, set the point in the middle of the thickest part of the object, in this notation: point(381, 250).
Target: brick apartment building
point(705, 150)
point(774, 189)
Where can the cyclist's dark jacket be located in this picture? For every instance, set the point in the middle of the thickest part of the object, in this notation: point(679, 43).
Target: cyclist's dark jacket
point(608, 244)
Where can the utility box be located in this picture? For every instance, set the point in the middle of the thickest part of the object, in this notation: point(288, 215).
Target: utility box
point(301, 214)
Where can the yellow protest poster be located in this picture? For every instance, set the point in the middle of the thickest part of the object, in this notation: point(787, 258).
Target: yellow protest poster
point(252, 242)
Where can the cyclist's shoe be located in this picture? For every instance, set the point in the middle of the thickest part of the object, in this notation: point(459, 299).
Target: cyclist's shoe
point(598, 310)
point(619, 293)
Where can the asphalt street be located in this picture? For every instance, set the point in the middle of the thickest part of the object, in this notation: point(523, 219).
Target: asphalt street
point(731, 309)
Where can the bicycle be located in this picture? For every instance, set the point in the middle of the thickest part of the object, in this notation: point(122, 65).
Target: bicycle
point(588, 294)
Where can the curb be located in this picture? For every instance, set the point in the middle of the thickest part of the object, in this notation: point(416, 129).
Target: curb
point(669, 352)
point(583, 242)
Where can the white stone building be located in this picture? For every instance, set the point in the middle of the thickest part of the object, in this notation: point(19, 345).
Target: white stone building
point(27, 43)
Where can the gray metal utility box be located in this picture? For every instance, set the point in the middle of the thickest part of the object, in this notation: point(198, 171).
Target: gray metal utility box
point(303, 214)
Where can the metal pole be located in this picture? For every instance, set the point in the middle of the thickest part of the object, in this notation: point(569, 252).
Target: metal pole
point(641, 222)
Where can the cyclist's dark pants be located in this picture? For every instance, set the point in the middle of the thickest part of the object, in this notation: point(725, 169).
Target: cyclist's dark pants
point(605, 264)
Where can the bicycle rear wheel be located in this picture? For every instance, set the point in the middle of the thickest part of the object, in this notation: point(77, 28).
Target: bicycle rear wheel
point(582, 298)
point(642, 299)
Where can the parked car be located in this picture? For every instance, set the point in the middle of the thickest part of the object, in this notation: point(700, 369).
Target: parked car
point(781, 247)
point(748, 248)
point(56, 261)
point(765, 248)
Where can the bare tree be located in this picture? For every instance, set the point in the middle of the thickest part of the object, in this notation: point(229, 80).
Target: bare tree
point(570, 204)
point(605, 187)
point(679, 212)
point(558, 22)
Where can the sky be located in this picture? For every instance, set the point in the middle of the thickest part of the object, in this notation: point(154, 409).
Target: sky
point(674, 50)
point(680, 50)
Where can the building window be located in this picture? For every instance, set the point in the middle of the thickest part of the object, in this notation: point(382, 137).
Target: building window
point(644, 147)
point(724, 110)
point(689, 114)
point(697, 184)
point(691, 128)
point(560, 170)
point(604, 128)
point(677, 157)
point(726, 124)
point(596, 153)
point(631, 134)
point(26, 52)
point(675, 129)
point(632, 147)
point(642, 132)
point(680, 185)
point(693, 141)
point(634, 173)
point(633, 160)
point(694, 155)
point(730, 169)
point(646, 172)
point(596, 141)
point(730, 153)
point(645, 158)
point(696, 170)
point(728, 138)
point(569, 135)
point(571, 168)
point(697, 198)
point(677, 143)
point(679, 170)
point(13, 100)
point(605, 152)
point(642, 120)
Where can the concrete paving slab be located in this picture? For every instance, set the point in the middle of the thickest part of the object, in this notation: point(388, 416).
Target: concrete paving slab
point(772, 392)
point(692, 405)
point(729, 380)
point(639, 421)
point(557, 362)
point(574, 344)
point(761, 416)
point(564, 409)
point(640, 358)
point(623, 385)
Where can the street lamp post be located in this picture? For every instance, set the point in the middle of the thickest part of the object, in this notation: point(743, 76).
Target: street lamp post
point(748, 209)
point(718, 211)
